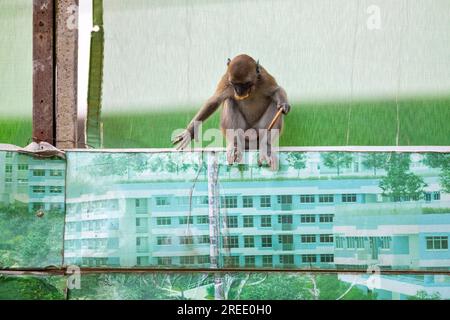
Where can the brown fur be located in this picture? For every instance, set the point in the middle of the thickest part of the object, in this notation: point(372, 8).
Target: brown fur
point(244, 78)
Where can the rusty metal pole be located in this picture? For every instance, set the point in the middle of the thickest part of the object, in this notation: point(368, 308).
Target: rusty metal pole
point(43, 71)
point(66, 75)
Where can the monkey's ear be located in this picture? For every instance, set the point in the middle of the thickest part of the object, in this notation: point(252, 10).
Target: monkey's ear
point(228, 61)
point(258, 69)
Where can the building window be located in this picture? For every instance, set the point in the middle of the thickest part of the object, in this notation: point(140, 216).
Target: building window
point(249, 241)
point(203, 259)
point(307, 198)
point(8, 179)
point(231, 242)
point(249, 261)
point(437, 243)
point(339, 242)
point(285, 239)
point(266, 241)
point(39, 173)
point(22, 167)
point(8, 168)
point(285, 219)
point(142, 261)
point(186, 220)
point(436, 195)
point(385, 242)
point(203, 239)
point(232, 222)
point(186, 240)
point(284, 199)
point(164, 241)
point(229, 202)
point(182, 201)
point(200, 200)
point(265, 201)
point(8, 155)
point(351, 243)
point(427, 196)
point(141, 241)
point(202, 219)
point(232, 261)
point(187, 260)
point(162, 201)
point(266, 221)
point(326, 218)
point(326, 258)
point(247, 201)
point(56, 173)
point(349, 197)
point(287, 259)
point(359, 243)
point(307, 218)
point(248, 221)
point(56, 189)
point(163, 221)
point(326, 198)
point(308, 238)
point(267, 261)
point(309, 258)
point(38, 189)
point(326, 238)
point(164, 261)
point(140, 203)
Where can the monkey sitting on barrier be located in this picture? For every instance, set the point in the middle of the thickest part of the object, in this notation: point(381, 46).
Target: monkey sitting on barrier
point(252, 102)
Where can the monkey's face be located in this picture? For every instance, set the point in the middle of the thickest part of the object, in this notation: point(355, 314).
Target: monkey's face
point(242, 90)
point(242, 76)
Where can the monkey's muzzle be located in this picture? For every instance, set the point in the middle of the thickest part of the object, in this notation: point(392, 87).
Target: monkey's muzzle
point(243, 97)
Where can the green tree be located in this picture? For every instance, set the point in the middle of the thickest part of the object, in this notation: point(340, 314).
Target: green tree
point(423, 295)
point(399, 182)
point(375, 160)
point(297, 160)
point(288, 287)
point(337, 160)
point(118, 164)
point(441, 161)
point(31, 287)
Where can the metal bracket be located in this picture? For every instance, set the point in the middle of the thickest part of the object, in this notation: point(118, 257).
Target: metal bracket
point(42, 150)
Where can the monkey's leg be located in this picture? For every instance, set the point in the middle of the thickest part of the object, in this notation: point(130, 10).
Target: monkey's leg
point(267, 152)
point(233, 125)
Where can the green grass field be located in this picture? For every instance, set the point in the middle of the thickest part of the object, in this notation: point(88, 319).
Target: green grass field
point(421, 122)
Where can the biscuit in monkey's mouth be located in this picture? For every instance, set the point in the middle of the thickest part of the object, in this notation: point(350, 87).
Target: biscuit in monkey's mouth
point(241, 97)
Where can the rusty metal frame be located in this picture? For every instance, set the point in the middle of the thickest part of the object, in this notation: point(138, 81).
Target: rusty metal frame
point(43, 71)
point(55, 58)
point(66, 46)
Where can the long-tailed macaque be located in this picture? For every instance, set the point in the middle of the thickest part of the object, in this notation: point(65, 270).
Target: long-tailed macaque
point(251, 98)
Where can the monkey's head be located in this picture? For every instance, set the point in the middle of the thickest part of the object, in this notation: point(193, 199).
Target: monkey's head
point(243, 73)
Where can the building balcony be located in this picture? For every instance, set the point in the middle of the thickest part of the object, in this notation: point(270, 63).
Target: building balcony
point(287, 246)
point(142, 229)
point(284, 226)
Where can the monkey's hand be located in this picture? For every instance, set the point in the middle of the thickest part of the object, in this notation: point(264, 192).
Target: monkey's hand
point(285, 107)
point(182, 140)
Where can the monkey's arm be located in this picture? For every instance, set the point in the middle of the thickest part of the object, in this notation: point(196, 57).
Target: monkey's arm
point(204, 113)
point(280, 98)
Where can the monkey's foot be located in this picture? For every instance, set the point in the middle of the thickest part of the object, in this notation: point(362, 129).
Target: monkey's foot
point(271, 160)
point(234, 155)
